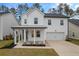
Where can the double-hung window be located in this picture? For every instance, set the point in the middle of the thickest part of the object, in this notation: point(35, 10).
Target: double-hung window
point(61, 22)
point(35, 20)
point(49, 22)
point(25, 21)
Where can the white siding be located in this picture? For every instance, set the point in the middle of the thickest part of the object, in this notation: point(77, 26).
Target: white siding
point(22, 19)
point(55, 26)
point(8, 21)
point(75, 29)
point(0, 28)
point(1, 37)
point(31, 16)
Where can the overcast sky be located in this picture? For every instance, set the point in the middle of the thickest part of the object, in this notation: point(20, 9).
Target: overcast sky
point(46, 6)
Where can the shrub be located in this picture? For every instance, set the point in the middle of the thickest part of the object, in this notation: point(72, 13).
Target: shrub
point(8, 37)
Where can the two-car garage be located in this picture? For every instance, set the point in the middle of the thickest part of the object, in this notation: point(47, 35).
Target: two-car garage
point(55, 36)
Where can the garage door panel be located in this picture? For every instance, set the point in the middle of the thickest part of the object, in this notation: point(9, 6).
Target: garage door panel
point(55, 36)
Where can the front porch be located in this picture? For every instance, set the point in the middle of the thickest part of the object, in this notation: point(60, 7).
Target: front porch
point(31, 43)
point(29, 35)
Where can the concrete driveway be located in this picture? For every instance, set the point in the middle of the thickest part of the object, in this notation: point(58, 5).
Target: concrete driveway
point(64, 48)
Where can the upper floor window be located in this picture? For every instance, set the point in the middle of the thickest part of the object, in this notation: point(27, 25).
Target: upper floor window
point(49, 22)
point(35, 20)
point(25, 21)
point(61, 22)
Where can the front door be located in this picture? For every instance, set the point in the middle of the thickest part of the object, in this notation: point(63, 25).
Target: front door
point(27, 35)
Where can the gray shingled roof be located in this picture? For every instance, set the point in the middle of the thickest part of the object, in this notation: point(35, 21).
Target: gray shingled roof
point(74, 21)
point(3, 12)
point(30, 26)
point(54, 15)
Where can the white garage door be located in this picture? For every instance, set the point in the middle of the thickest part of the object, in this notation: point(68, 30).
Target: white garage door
point(55, 36)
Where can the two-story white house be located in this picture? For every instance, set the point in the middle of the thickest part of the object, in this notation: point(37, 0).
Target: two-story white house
point(38, 27)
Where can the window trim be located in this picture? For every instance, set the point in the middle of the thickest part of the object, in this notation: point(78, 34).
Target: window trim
point(62, 22)
point(49, 22)
point(37, 33)
point(25, 21)
point(35, 20)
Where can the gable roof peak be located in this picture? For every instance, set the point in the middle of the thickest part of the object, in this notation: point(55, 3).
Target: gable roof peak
point(32, 9)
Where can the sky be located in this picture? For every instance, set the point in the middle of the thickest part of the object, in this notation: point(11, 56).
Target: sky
point(45, 6)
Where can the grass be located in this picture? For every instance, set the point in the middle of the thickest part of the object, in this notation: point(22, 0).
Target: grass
point(5, 43)
point(74, 41)
point(27, 52)
point(23, 51)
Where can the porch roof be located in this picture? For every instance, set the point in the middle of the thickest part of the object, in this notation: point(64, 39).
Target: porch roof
point(29, 27)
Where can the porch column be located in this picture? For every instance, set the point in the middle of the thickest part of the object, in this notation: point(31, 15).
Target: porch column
point(44, 36)
point(15, 37)
point(34, 36)
point(24, 35)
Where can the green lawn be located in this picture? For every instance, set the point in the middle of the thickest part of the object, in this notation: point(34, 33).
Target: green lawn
point(74, 41)
point(5, 43)
point(23, 51)
point(27, 52)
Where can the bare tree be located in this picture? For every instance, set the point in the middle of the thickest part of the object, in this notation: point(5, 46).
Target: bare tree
point(60, 7)
point(22, 7)
point(36, 5)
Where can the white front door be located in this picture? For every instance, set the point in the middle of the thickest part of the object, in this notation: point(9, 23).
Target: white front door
point(26, 35)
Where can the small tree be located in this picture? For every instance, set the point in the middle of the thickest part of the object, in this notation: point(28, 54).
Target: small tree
point(22, 8)
point(67, 9)
point(13, 10)
point(60, 8)
point(71, 12)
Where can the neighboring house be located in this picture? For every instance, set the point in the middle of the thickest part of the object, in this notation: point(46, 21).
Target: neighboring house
point(7, 20)
point(37, 26)
point(74, 27)
point(75, 16)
